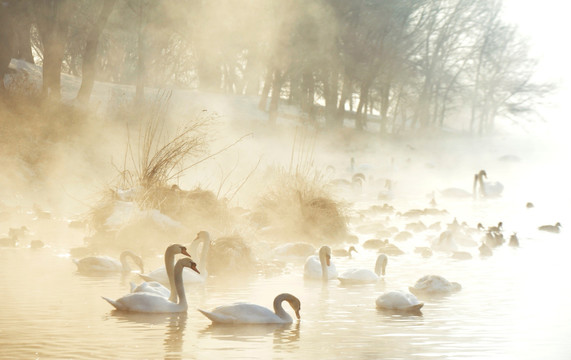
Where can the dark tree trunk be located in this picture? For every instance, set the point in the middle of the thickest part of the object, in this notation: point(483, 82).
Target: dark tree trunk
point(90, 53)
point(276, 90)
point(266, 90)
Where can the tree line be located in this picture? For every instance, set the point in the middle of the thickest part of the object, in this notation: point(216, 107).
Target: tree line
point(408, 64)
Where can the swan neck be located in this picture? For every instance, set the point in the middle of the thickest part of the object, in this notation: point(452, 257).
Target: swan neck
point(323, 261)
point(278, 308)
point(380, 265)
point(204, 255)
point(179, 285)
point(124, 262)
point(169, 267)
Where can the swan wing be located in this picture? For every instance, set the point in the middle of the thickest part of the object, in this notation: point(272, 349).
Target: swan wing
point(98, 264)
point(152, 287)
point(398, 300)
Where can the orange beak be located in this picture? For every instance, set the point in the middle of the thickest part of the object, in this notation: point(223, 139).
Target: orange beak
point(185, 252)
point(193, 267)
point(328, 260)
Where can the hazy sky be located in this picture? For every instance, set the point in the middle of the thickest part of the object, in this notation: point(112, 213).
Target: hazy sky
point(548, 26)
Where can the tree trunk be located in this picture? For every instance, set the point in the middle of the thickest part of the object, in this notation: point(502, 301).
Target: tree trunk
point(265, 90)
point(90, 53)
point(141, 53)
point(276, 89)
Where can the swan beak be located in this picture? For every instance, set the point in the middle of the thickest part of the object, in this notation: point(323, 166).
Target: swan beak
point(328, 259)
point(193, 267)
point(183, 251)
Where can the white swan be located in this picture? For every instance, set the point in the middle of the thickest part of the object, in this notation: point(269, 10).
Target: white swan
point(107, 264)
point(489, 188)
point(156, 287)
point(320, 266)
point(434, 285)
point(151, 303)
point(294, 250)
point(460, 193)
point(246, 313)
point(365, 276)
point(189, 277)
point(398, 300)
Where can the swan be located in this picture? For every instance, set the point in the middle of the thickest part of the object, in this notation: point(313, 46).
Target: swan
point(246, 313)
point(151, 303)
point(551, 228)
point(189, 277)
point(107, 264)
point(399, 300)
point(345, 252)
point(434, 285)
point(460, 193)
point(365, 276)
point(297, 249)
point(514, 241)
point(320, 266)
point(156, 287)
point(489, 188)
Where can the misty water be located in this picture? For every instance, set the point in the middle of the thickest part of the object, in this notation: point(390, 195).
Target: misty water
point(513, 305)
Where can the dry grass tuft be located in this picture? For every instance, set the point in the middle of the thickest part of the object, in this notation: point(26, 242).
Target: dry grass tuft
point(297, 207)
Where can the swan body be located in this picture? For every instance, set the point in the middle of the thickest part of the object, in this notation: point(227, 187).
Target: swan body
point(155, 287)
point(320, 266)
point(489, 188)
point(345, 252)
point(298, 249)
point(189, 277)
point(151, 303)
point(551, 228)
point(434, 285)
point(398, 300)
point(246, 313)
point(365, 276)
point(107, 264)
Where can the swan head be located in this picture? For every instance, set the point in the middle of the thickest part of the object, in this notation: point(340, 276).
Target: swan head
point(203, 235)
point(178, 249)
point(295, 305)
point(189, 263)
point(482, 174)
point(325, 254)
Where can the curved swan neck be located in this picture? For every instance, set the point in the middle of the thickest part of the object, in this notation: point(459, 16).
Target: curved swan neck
point(278, 308)
point(179, 285)
point(169, 267)
point(123, 258)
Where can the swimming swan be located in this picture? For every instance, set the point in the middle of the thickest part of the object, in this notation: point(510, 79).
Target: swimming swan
point(246, 313)
point(320, 266)
point(151, 303)
point(489, 188)
point(551, 228)
point(398, 300)
point(107, 264)
point(365, 276)
point(204, 238)
point(434, 285)
point(156, 287)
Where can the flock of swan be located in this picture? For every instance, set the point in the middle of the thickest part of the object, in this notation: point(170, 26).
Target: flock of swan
point(163, 290)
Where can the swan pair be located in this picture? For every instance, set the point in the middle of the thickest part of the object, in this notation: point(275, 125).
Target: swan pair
point(151, 303)
point(487, 188)
point(108, 265)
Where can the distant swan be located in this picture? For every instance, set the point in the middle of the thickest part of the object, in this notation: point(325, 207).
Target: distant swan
point(189, 277)
point(156, 287)
point(489, 188)
point(434, 285)
point(365, 276)
point(204, 238)
point(107, 264)
point(399, 300)
point(460, 193)
point(320, 266)
point(151, 303)
point(551, 228)
point(246, 313)
point(345, 252)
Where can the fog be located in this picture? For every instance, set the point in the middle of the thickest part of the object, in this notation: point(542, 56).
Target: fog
point(79, 185)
